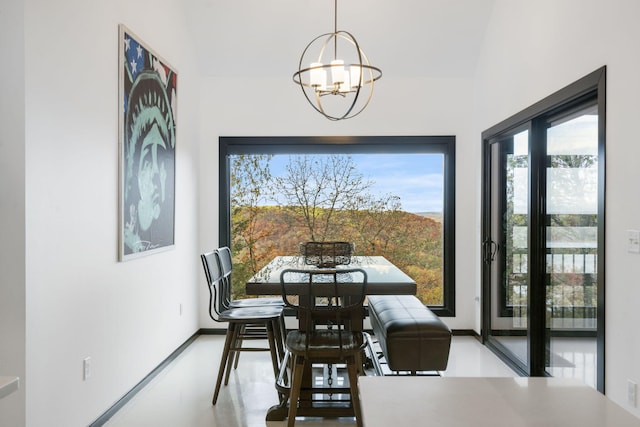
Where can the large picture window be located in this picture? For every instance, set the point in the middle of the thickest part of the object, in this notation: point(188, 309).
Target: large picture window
point(389, 196)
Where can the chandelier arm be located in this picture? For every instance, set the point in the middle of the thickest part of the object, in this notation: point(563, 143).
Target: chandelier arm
point(355, 99)
point(371, 69)
point(318, 95)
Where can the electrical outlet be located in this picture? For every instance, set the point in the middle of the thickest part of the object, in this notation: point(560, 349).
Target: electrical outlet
point(86, 368)
point(632, 391)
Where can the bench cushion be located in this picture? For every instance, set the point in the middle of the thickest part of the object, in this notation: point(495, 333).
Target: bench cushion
point(411, 336)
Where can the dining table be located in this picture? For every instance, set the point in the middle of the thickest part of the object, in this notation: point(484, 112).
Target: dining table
point(383, 278)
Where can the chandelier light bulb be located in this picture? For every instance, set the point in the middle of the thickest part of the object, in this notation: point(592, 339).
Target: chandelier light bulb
point(355, 76)
point(337, 72)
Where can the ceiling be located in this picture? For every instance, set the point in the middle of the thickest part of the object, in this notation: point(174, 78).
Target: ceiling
point(405, 38)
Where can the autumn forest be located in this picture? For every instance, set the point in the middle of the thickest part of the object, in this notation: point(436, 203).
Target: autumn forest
point(327, 199)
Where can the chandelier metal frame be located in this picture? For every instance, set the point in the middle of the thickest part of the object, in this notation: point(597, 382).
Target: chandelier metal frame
point(351, 80)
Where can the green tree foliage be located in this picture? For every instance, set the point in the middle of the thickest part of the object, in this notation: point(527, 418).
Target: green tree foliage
point(250, 175)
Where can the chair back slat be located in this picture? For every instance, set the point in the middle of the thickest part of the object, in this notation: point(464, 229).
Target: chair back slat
point(226, 264)
point(325, 296)
point(326, 254)
point(226, 267)
point(213, 274)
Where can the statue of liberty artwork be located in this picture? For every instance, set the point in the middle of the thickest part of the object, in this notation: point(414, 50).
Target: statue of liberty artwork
point(148, 140)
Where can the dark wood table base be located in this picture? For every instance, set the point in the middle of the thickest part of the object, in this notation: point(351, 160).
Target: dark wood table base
point(323, 400)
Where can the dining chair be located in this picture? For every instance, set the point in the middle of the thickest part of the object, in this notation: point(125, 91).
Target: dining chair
point(267, 317)
point(226, 267)
point(327, 254)
point(328, 303)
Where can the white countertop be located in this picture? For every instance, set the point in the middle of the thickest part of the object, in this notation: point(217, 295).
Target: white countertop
point(8, 385)
point(496, 402)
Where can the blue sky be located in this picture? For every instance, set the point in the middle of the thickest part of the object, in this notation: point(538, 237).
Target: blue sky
point(416, 178)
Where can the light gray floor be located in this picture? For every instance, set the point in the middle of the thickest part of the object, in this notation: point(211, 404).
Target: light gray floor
point(571, 357)
point(180, 396)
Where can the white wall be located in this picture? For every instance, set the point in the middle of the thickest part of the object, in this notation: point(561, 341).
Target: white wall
point(12, 209)
point(533, 49)
point(80, 301)
point(276, 107)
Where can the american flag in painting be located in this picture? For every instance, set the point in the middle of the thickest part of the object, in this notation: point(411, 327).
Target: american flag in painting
point(137, 59)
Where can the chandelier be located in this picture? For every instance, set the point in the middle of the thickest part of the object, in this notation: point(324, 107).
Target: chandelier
point(339, 80)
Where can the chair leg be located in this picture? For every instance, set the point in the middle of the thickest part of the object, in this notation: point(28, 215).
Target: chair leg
point(223, 360)
point(294, 393)
point(248, 329)
point(275, 360)
point(237, 358)
point(352, 368)
point(245, 330)
point(279, 331)
point(241, 332)
point(235, 344)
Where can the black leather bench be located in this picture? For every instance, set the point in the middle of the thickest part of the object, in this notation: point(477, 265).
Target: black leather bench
point(411, 336)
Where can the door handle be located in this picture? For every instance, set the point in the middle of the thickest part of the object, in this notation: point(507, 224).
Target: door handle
point(489, 250)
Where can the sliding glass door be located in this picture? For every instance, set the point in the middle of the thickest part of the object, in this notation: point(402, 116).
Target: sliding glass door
point(505, 250)
point(543, 235)
point(572, 244)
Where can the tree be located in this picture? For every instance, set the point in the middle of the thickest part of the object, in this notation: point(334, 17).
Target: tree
point(250, 188)
point(315, 187)
point(372, 219)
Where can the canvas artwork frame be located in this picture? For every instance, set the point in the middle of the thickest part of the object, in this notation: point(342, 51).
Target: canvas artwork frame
point(147, 142)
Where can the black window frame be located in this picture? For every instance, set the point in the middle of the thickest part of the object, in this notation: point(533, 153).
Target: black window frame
point(445, 145)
